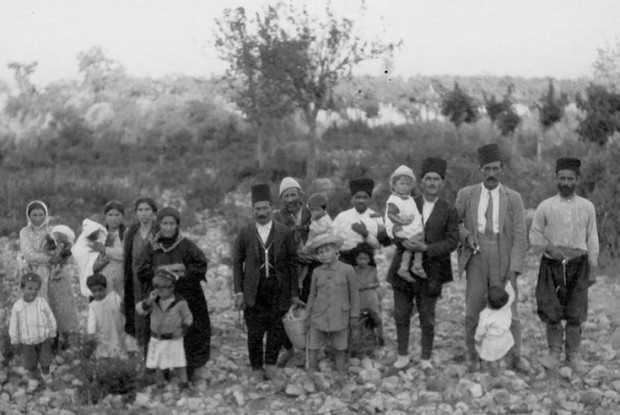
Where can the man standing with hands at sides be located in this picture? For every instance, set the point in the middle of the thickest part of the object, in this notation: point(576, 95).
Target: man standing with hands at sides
point(564, 228)
point(441, 236)
point(265, 282)
point(493, 250)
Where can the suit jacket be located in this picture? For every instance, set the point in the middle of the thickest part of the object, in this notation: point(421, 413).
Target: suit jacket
point(441, 235)
point(288, 220)
point(512, 238)
point(247, 263)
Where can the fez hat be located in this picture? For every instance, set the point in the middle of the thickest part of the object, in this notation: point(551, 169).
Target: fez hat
point(361, 185)
point(434, 165)
point(261, 193)
point(488, 154)
point(568, 163)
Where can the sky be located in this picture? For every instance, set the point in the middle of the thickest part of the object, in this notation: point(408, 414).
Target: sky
point(154, 38)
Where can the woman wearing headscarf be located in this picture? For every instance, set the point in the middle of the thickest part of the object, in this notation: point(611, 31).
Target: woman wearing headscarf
point(137, 237)
point(45, 252)
point(175, 253)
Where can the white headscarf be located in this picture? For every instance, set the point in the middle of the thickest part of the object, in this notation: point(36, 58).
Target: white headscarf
point(65, 230)
point(83, 254)
point(47, 217)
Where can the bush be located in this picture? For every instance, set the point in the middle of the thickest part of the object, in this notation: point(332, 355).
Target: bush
point(108, 377)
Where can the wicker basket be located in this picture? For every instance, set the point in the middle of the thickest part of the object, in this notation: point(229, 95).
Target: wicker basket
point(295, 326)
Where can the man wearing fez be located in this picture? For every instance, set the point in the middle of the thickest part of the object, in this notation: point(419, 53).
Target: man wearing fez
point(357, 225)
point(493, 250)
point(264, 282)
point(564, 227)
point(441, 237)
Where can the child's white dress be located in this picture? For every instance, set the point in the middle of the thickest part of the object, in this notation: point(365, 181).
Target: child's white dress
point(493, 336)
point(106, 321)
point(406, 209)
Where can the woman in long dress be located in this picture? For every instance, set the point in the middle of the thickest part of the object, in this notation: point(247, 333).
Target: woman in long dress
point(113, 248)
point(137, 237)
point(177, 254)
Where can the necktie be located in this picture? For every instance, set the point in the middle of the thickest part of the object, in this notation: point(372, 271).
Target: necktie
point(488, 215)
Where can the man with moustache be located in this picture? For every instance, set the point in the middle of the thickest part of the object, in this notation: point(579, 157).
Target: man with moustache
point(564, 228)
point(441, 236)
point(265, 282)
point(493, 248)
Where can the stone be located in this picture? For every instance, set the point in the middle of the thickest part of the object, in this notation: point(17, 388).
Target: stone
point(239, 398)
point(142, 399)
point(475, 390)
point(501, 397)
point(598, 372)
point(591, 397)
point(566, 372)
point(294, 390)
point(611, 395)
point(431, 396)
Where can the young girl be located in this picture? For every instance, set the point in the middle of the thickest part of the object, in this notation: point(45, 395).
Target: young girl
point(493, 336)
point(32, 330)
point(368, 284)
point(106, 322)
point(84, 254)
point(170, 319)
point(113, 247)
point(403, 220)
point(333, 305)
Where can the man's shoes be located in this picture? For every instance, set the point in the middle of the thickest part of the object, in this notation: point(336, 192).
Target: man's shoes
point(551, 361)
point(577, 365)
point(519, 364)
point(257, 376)
point(402, 362)
point(285, 357)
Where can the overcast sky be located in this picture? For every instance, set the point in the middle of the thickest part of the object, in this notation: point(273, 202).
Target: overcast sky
point(459, 37)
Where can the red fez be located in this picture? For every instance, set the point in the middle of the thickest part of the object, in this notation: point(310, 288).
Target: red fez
point(434, 165)
point(488, 154)
point(361, 185)
point(568, 163)
point(261, 193)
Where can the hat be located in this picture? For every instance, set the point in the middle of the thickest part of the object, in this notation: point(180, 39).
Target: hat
point(90, 226)
point(261, 193)
point(36, 204)
point(434, 165)
point(169, 211)
point(288, 183)
point(488, 154)
point(325, 239)
point(96, 279)
point(402, 170)
point(171, 271)
point(361, 185)
point(568, 163)
point(317, 200)
point(65, 230)
point(30, 277)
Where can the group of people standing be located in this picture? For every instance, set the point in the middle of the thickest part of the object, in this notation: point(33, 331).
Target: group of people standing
point(143, 284)
point(144, 281)
point(276, 264)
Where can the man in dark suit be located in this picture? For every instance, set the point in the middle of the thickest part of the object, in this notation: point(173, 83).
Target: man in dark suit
point(441, 233)
point(265, 282)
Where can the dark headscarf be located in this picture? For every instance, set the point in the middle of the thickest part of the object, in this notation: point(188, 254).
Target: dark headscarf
point(167, 242)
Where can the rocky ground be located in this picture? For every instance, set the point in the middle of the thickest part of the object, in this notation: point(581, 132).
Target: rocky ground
point(224, 387)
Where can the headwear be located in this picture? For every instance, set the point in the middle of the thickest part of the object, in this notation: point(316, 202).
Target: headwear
point(402, 170)
point(361, 185)
point(96, 279)
point(65, 230)
point(324, 239)
point(169, 211)
point(434, 165)
point(317, 200)
point(261, 193)
point(488, 154)
point(114, 204)
point(90, 226)
point(288, 183)
point(568, 163)
point(171, 272)
point(30, 277)
point(37, 204)
point(146, 200)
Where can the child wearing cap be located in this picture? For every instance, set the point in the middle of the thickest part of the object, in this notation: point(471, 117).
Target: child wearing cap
point(333, 304)
point(32, 329)
point(106, 323)
point(493, 336)
point(170, 320)
point(403, 220)
point(320, 222)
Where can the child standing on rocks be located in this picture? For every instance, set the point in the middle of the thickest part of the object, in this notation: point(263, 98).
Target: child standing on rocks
point(170, 319)
point(32, 330)
point(493, 336)
point(368, 283)
point(333, 304)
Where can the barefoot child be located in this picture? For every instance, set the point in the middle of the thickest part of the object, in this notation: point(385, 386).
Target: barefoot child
point(403, 220)
point(369, 288)
point(170, 319)
point(32, 330)
point(333, 304)
point(493, 336)
point(106, 323)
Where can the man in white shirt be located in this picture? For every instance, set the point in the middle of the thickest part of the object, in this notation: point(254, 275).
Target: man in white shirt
point(493, 248)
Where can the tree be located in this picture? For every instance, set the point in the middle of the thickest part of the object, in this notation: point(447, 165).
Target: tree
point(459, 107)
point(550, 112)
point(99, 70)
point(286, 59)
point(602, 119)
point(607, 66)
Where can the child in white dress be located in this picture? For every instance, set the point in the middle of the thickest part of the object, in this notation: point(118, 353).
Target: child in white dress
point(170, 319)
point(106, 323)
point(403, 220)
point(493, 336)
